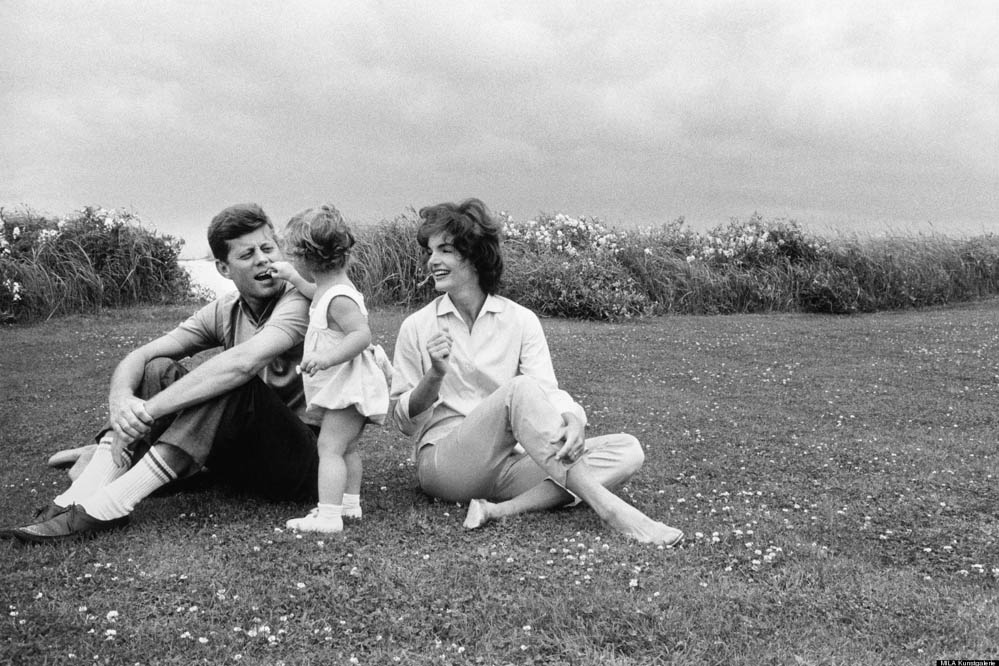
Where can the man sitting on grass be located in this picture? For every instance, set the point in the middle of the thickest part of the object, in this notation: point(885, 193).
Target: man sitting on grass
point(240, 413)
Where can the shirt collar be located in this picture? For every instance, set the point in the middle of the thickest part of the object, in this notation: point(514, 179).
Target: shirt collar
point(446, 306)
point(267, 311)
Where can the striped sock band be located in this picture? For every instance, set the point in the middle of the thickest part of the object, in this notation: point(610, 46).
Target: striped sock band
point(119, 498)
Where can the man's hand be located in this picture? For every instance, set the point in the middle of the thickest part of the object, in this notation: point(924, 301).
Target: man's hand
point(439, 348)
point(130, 420)
point(118, 452)
point(573, 434)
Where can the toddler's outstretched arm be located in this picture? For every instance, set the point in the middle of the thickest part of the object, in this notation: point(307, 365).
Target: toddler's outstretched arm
point(285, 271)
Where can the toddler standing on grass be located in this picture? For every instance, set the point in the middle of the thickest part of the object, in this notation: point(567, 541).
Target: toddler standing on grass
point(346, 378)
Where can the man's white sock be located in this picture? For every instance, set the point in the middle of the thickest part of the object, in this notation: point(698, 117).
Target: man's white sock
point(119, 498)
point(100, 471)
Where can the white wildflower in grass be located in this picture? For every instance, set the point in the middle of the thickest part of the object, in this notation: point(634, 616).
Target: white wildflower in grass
point(110, 634)
point(14, 289)
point(112, 616)
point(47, 236)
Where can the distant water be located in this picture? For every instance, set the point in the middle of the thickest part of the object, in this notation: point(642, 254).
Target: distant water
point(204, 274)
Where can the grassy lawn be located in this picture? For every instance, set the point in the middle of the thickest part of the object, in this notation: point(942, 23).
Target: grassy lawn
point(836, 478)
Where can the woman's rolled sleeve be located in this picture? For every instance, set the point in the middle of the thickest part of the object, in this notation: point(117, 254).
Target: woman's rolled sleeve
point(407, 371)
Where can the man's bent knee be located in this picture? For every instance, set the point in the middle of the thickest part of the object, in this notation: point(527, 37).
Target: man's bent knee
point(159, 373)
point(176, 459)
point(158, 366)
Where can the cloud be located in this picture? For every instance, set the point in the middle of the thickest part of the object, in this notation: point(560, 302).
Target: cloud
point(632, 111)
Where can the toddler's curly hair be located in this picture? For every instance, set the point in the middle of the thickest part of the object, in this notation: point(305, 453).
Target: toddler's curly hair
point(320, 238)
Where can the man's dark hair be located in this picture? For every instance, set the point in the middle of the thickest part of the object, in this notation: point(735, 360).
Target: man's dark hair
point(475, 235)
point(233, 222)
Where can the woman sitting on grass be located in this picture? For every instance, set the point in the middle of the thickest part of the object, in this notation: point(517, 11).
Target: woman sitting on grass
point(473, 378)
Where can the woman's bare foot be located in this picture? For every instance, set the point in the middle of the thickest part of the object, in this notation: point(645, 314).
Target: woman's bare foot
point(633, 523)
point(478, 514)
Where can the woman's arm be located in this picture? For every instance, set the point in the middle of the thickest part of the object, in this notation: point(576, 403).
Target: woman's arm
point(536, 362)
point(426, 392)
point(410, 368)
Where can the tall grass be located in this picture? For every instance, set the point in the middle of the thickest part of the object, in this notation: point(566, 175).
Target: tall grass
point(94, 258)
point(897, 272)
point(555, 264)
point(388, 264)
point(567, 267)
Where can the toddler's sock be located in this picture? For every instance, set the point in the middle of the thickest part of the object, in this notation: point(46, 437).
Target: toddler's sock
point(99, 472)
point(119, 497)
point(352, 506)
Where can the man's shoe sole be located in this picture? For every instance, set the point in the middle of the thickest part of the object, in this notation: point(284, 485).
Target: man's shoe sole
point(24, 536)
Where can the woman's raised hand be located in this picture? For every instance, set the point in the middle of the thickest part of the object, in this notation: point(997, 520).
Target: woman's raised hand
point(439, 348)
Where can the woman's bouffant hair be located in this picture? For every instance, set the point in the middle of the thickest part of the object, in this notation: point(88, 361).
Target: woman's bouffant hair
point(320, 238)
point(476, 236)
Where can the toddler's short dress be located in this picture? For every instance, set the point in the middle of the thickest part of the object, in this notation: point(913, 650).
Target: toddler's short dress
point(362, 382)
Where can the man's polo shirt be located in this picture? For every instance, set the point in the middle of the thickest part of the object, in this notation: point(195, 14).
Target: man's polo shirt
point(227, 322)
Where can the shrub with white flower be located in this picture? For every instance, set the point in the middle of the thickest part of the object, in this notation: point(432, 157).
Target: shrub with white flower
point(754, 243)
point(561, 234)
point(94, 257)
point(47, 236)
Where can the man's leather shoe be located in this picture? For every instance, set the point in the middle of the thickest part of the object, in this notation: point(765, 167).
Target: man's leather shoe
point(71, 523)
point(47, 512)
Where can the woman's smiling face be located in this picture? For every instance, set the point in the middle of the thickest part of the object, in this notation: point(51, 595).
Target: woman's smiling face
point(450, 270)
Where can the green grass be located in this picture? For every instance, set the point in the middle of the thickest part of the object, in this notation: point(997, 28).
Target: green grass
point(836, 477)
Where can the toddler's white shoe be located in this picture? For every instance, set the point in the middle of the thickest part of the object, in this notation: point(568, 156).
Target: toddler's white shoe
point(353, 513)
point(313, 523)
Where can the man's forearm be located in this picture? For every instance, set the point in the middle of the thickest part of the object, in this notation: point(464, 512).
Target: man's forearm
point(214, 377)
point(127, 377)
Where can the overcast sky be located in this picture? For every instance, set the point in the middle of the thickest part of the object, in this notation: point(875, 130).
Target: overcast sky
point(841, 115)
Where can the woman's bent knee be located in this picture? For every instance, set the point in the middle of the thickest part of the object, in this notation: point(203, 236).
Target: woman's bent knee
point(632, 453)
